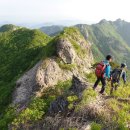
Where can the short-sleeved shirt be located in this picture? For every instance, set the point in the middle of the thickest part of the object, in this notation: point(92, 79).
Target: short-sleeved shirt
point(107, 69)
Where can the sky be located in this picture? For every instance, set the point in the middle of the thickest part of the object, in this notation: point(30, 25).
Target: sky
point(45, 11)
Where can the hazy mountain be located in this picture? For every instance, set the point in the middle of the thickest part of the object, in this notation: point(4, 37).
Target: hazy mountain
point(52, 30)
point(123, 29)
point(108, 38)
point(8, 27)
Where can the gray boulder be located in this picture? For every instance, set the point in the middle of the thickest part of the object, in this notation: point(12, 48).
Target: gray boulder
point(65, 51)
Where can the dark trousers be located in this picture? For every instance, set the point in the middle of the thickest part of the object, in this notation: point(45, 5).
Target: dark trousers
point(103, 81)
point(114, 86)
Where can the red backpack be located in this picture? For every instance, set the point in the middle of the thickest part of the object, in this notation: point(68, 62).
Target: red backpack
point(100, 69)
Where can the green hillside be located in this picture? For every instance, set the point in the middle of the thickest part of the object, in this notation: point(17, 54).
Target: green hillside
point(52, 30)
point(8, 27)
point(105, 40)
point(19, 51)
point(22, 48)
point(123, 29)
point(107, 37)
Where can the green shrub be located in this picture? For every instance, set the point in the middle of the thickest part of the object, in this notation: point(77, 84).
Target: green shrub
point(120, 111)
point(122, 92)
point(73, 35)
point(39, 106)
point(122, 127)
point(71, 100)
point(7, 117)
point(91, 77)
point(80, 51)
point(95, 126)
point(34, 112)
point(59, 89)
point(20, 50)
point(65, 66)
point(88, 96)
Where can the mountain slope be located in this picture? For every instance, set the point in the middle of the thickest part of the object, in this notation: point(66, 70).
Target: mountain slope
point(34, 62)
point(19, 51)
point(52, 30)
point(8, 27)
point(106, 37)
point(123, 29)
point(106, 40)
point(49, 80)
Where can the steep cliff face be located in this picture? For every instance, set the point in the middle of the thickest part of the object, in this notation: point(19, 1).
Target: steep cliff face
point(73, 57)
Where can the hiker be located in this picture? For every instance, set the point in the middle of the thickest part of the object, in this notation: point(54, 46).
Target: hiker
point(102, 72)
point(116, 75)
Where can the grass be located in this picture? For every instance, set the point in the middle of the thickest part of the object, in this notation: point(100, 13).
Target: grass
point(91, 77)
point(80, 51)
point(88, 96)
point(118, 103)
point(119, 106)
point(65, 66)
point(37, 108)
point(71, 100)
point(120, 112)
point(96, 126)
point(74, 36)
point(34, 112)
point(20, 50)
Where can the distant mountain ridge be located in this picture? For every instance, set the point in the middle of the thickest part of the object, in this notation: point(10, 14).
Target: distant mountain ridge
point(123, 29)
point(107, 37)
point(8, 27)
point(52, 30)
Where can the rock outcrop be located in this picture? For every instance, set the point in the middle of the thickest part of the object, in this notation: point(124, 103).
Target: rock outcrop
point(61, 103)
point(49, 72)
point(25, 86)
point(65, 51)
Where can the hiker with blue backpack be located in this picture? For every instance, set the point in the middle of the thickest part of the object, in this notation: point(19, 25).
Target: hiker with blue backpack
point(103, 72)
point(116, 75)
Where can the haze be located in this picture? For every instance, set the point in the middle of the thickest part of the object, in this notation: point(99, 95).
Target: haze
point(87, 11)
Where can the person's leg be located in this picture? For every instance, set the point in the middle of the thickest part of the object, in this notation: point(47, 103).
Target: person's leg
point(96, 83)
point(116, 86)
point(103, 81)
point(112, 87)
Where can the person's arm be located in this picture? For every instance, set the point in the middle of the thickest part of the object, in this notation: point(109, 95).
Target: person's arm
point(124, 76)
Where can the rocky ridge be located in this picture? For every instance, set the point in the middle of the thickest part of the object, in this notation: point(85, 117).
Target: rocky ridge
point(50, 71)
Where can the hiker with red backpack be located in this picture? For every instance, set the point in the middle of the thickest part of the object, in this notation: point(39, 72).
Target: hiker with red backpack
point(103, 72)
